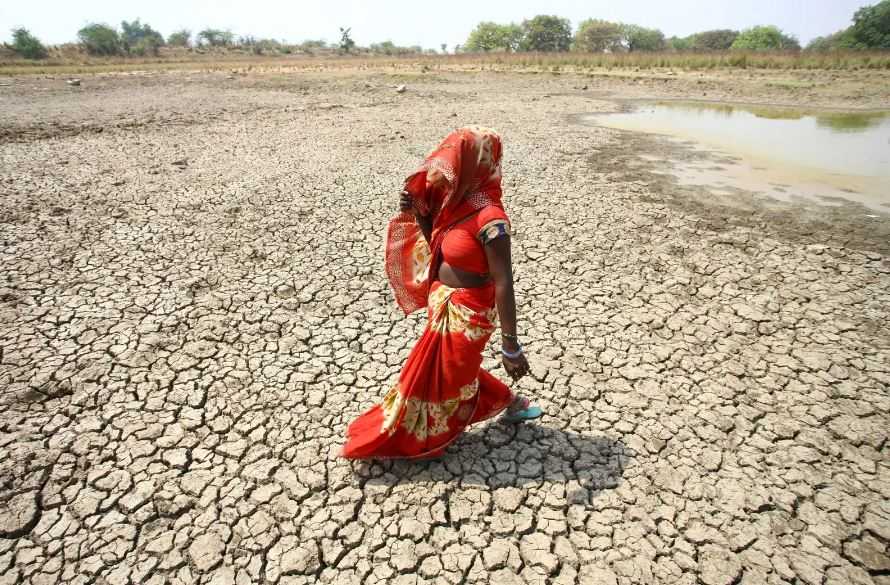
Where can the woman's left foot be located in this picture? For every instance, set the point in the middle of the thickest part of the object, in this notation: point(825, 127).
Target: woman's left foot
point(522, 410)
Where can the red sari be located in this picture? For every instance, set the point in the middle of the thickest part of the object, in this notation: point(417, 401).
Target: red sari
point(441, 388)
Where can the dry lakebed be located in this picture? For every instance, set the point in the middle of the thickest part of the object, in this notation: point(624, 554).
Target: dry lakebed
point(193, 307)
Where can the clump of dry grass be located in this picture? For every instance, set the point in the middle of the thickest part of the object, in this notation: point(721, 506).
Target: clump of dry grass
point(845, 60)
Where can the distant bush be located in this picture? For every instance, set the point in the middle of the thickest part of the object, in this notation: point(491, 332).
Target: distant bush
point(216, 38)
point(140, 39)
point(598, 36)
point(148, 46)
point(713, 40)
point(384, 48)
point(546, 33)
point(490, 36)
point(100, 39)
point(765, 38)
point(180, 38)
point(260, 46)
point(312, 46)
point(871, 27)
point(680, 43)
point(640, 38)
point(833, 42)
point(27, 45)
point(870, 30)
point(388, 48)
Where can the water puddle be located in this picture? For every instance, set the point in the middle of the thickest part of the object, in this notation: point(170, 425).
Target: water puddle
point(780, 153)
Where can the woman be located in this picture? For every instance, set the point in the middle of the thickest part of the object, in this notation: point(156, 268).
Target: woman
point(449, 251)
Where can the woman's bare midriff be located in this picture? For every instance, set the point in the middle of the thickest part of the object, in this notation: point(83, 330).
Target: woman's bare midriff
point(457, 278)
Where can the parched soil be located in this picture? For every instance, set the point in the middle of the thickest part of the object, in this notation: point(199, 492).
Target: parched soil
point(193, 307)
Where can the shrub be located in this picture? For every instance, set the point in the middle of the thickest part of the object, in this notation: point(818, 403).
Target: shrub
point(99, 39)
point(546, 33)
point(27, 45)
point(139, 38)
point(679, 43)
point(713, 40)
point(639, 38)
point(180, 38)
point(765, 38)
point(871, 26)
point(598, 36)
point(832, 42)
point(311, 46)
point(260, 46)
point(147, 46)
point(215, 37)
point(490, 36)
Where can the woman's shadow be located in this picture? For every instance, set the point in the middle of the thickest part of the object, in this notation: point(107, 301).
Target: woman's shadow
point(515, 455)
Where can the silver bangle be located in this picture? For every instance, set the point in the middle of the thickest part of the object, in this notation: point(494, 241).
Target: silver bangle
point(511, 354)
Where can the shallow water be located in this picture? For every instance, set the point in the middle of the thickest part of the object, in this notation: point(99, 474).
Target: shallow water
point(782, 153)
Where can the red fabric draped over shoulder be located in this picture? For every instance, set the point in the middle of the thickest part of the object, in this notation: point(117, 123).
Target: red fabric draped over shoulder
point(461, 176)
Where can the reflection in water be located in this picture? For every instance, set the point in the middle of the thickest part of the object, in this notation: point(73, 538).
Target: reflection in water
point(809, 154)
point(840, 121)
point(852, 122)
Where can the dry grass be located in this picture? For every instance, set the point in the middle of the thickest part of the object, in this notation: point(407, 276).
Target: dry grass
point(691, 61)
point(73, 62)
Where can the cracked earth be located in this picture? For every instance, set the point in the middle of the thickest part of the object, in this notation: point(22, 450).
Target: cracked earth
point(193, 307)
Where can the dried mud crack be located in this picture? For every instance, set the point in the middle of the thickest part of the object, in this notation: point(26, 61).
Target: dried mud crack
point(192, 308)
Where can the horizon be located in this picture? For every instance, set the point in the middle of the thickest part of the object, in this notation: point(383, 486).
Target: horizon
point(387, 21)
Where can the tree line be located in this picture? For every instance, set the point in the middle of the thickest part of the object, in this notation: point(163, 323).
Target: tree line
point(870, 30)
point(140, 39)
point(547, 33)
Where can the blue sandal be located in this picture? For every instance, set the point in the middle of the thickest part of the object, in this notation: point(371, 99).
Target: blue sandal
point(528, 413)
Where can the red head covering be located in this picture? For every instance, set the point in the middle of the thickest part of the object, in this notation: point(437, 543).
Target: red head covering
point(461, 176)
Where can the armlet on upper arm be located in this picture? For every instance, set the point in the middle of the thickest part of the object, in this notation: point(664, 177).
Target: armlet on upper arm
point(493, 230)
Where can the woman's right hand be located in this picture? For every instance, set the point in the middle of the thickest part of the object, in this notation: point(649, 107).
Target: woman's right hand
point(405, 202)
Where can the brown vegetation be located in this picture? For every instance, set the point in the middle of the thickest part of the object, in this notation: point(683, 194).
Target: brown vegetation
point(68, 59)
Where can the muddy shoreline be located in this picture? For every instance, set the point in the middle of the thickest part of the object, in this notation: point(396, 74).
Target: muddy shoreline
point(843, 225)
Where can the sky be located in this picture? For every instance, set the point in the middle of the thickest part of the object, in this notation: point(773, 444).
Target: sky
point(409, 22)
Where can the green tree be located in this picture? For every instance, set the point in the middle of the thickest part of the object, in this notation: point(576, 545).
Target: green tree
point(546, 34)
point(27, 45)
point(713, 40)
point(598, 36)
point(765, 38)
point(346, 42)
point(215, 37)
point(180, 38)
point(639, 38)
point(871, 27)
point(490, 36)
point(140, 38)
point(99, 39)
point(444, 47)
